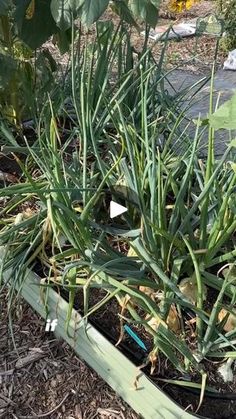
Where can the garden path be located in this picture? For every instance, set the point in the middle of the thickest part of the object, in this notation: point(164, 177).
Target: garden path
point(224, 85)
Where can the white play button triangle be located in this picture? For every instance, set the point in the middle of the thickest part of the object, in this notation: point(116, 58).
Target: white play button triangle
point(116, 209)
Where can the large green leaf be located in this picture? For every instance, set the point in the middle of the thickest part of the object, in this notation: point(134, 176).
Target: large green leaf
point(63, 10)
point(21, 7)
point(4, 7)
point(121, 8)
point(7, 68)
point(146, 10)
point(92, 10)
point(35, 31)
point(225, 116)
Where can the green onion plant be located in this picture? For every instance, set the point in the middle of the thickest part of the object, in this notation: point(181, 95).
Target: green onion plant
point(172, 254)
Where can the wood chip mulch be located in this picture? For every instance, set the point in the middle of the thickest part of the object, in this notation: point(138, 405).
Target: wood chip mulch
point(41, 377)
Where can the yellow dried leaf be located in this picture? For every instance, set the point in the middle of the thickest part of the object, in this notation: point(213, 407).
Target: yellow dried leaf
point(154, 323)
point(188, 286)
point(172, 321)
point(30, 10)
point(231, 321)
point(124, 300)
point(131, 252)
point(148, 291)
point(153, 358)
point(78, 208)
point(28, 212)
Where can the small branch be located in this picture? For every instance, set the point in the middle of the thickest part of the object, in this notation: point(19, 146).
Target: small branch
point(43, 415)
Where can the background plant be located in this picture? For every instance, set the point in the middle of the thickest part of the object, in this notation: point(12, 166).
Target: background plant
point(19, 71)
point(227, 10)
point(26, 25)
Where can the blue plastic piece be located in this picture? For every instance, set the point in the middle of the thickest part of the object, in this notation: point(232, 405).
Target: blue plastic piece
point(135, 337)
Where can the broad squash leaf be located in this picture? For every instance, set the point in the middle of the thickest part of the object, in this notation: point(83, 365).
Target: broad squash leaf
point(7, 68)
point(35, 31)
point(146, 10)
point(4, 7)
point(92, 10)
point(63, 10)
point(225, 116)
point(233, 143)
point(20, 12)
point(63, 40)
point(121, 8)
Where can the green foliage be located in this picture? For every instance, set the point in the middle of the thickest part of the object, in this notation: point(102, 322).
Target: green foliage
point(4, 7)
point(181, 210)
point(51, 17)
point(62, 12)
point(224, 117)
point(91, 11)
point(146, 9)
point(34, 31)
point(8, 67)
point(181, 215)
point(227, 10)
point(25, 25)
point(18, 78)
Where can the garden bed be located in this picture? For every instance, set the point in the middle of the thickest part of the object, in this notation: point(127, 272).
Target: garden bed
point(103, 327)
point(103, 357)
point(157, 282)
point(105, 324)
